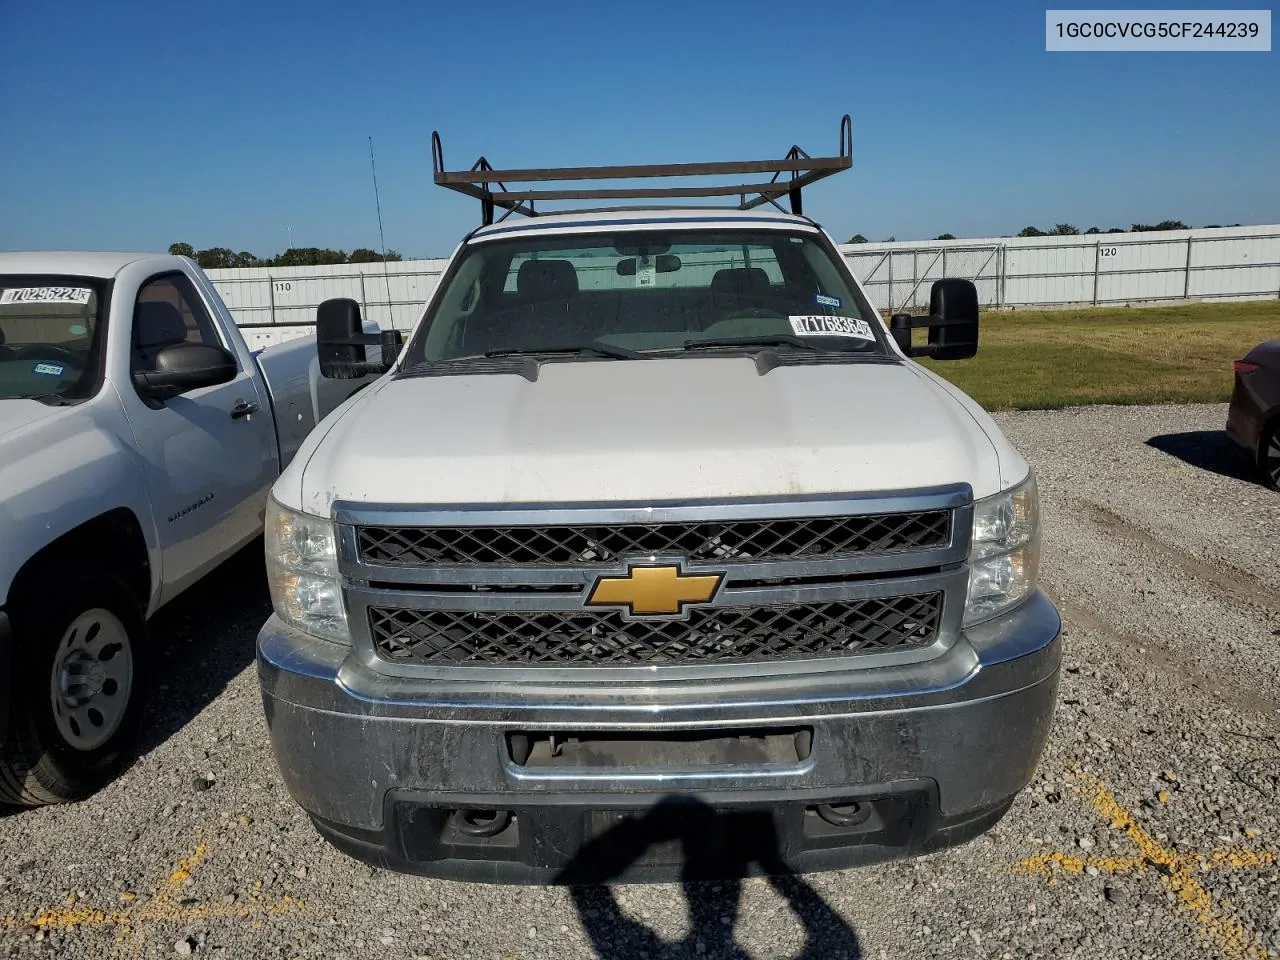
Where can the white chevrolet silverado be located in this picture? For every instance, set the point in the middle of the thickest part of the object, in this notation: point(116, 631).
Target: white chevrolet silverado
point(138, 439)
point(655, 555)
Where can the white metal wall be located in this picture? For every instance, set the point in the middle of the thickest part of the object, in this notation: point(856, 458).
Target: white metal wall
point(269, 302)
point(273, 303)
point(1218, 263)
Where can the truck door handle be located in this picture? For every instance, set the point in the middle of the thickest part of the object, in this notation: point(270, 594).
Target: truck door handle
point(242, 409)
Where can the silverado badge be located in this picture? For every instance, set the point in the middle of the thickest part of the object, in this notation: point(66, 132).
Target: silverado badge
point(654, 590)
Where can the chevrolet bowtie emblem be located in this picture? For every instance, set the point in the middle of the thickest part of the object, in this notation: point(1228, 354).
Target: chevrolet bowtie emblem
point(649, 591)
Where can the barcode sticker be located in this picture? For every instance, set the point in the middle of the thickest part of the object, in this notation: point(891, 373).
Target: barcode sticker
point(46, 295)
point(824, 326)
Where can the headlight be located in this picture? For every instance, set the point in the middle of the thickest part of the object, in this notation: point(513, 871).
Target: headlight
point(1004, 556)
point(302, 571)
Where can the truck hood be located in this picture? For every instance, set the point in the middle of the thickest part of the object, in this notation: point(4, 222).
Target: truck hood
point(16, 414)
point(668, 429)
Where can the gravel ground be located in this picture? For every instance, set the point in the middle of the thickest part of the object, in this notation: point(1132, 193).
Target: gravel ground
point(1151, 829)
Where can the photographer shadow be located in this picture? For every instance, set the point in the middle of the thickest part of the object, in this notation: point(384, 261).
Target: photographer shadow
point(717, 851)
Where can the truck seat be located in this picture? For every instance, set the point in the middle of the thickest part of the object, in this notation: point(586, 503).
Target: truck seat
point(540, 313)
point(156, 325)
point(546, 279)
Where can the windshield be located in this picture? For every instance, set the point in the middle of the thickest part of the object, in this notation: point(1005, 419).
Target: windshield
point(657, 292)
point(50, 331)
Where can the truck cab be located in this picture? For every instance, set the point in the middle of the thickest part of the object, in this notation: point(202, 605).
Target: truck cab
point(139, 436)
point(652, 513)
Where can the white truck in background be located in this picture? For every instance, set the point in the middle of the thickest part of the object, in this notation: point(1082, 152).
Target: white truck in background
point(139, 436)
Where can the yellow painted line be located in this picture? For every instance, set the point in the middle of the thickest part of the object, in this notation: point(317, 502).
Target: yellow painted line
point(185, 866)
point(1249, 859)
point(1045, 862)
point(1216, 924)
point(160, 907)
point(1176, 871)
point(65, 919)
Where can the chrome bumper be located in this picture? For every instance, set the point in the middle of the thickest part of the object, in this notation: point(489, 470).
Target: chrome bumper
point(366, 754)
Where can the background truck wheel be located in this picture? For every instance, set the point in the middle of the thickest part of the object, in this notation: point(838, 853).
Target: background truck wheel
point(1269, 455)
point(79, 670)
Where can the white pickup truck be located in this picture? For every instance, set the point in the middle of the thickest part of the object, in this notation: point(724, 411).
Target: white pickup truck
point(655, 556)
point(139, 436)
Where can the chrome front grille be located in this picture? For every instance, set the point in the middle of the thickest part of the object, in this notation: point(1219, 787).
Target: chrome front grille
point(797, 538)
point(750, 634)
point(803, 584)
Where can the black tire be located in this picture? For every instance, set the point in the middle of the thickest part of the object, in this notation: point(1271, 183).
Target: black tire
point(38, 764)
point(1269, 455)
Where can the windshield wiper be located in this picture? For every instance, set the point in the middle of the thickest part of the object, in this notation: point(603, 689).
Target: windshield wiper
point(598, 349)
point(769, 340)
point(522, 357)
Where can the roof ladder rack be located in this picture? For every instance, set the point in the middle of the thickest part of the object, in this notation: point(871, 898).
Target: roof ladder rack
point(479, 181)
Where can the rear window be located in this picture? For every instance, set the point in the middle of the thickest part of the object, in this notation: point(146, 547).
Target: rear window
point(50, 336)
point(655, 292)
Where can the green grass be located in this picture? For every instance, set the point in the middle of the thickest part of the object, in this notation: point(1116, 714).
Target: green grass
point(1045, 359)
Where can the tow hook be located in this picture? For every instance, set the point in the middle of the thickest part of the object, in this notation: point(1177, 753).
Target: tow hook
point(481, 823)
point(843, 814)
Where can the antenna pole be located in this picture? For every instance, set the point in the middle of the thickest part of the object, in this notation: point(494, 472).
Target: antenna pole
point(377, 202)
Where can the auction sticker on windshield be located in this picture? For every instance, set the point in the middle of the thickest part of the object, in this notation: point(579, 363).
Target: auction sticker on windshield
point(820, 326)
point(46, 295)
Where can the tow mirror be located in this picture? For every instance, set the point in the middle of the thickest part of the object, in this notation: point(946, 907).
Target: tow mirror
point(341, 342)
point(181, 367)
point(952, 323)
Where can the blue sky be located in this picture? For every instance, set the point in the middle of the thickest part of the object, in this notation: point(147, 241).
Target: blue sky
point(132, 125)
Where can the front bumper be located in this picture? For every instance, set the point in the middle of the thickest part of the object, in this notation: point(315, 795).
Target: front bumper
point(933, 752)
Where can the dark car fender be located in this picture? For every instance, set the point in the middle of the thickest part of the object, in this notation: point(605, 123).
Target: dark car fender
point(6, 671)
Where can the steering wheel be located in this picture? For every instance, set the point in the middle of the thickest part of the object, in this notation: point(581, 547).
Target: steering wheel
point(41, 351)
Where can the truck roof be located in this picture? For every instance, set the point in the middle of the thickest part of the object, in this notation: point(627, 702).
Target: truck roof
point(75, 263)
point(639, 218)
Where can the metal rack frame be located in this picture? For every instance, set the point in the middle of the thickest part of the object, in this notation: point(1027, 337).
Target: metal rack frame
point(480, 179)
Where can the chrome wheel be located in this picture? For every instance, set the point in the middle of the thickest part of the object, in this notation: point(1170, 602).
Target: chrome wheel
point(91, 680)
point(1271, 459)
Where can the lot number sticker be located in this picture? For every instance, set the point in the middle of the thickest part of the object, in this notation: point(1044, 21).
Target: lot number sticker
point(46, 295)
point(821, 326)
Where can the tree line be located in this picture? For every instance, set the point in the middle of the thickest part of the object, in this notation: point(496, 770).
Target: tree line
point(1070, 230)
point(218, 258)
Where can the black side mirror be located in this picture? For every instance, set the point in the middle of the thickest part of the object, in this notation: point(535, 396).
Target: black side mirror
point(339, 339)
point(185, 366)
point(900, 327)
point(341, 342)
point(952, 323)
